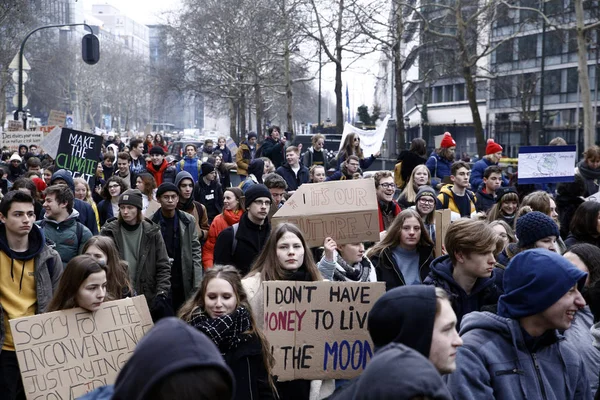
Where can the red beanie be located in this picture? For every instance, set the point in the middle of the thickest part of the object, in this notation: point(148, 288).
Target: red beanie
point(492, 147)
point(447, 141)
point(39, 184)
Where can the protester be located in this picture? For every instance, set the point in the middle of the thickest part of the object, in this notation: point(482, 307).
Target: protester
point(60, 223)
point(222, 147)
point(543, 202)
point(457, 197)
point(240, 244)
point(506, 206)
point(518, 353)
point(207, 149)
point(29, 276)
point(351, 147)
point(220, 309)
point(14, 168)
point(346, 263)
point(285, 256)
point(109, 207)
point(440, 161)
point(123, 171)
point(27, 186)
point(269, 167)
point(294, 173)
point(274, 146)
point(585, 225)
point(589, 170)
point(255, 173)
point(404, 254)
point(138, 164)
point(586, 257)
point(159, 167)
point(104, 250)
point(86, 213)
point(159, 142)
point(146, 184)
point(190, 367)
point(419, 177)
point(486, 194)
point(208, 192)
point(350, 169)
point(388, 208)
point(83, 193)
point(108, 165)
point(233, 208)
point(408, 161)
point(140, 243)
point(277, 187)
point(190, 163)
point(48, 171)
point(245, 154)
point(493, 154)
point(148, 143)
point(466, 273)
point(425, 206)
point(316, 174)
point(316, 154)
point(569, 195)
point(505, 232)
point(185, 184)
point(83, 284)
point(222, 168)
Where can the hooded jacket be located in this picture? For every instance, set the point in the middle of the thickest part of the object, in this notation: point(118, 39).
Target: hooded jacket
point(220, 223)
point(86, 212)
point(293, 181)
point(485, 292)
point(484, 200)
point(47, 267)
point(494, 362)
point(153, 273)
point(211, 196)
point(389, 272)
point(64, 235)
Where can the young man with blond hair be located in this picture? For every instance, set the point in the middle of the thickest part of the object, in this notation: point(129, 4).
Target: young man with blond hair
point(294, 173)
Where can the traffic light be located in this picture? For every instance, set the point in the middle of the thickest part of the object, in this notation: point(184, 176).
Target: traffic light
point(90, 49)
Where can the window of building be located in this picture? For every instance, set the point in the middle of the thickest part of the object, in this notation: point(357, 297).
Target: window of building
point(572, 80)
point(502, 16)
point(527, 47)
point(449, 94)
point(526, 15)
point(552, 81)
point(460, 92)
point(504, 52)
point(554, 7)
point(554, 43)
point(503, 87)
point(438, 94)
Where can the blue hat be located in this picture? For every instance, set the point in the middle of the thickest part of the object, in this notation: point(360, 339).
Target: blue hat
point(534, 280)
point(535, 226)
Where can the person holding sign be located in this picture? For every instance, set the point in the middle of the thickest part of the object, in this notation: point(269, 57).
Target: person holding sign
point(104, 250)
point(346, 262)
point(29, 273)
point(83, 284)
point(403, 256)
point(220, 309)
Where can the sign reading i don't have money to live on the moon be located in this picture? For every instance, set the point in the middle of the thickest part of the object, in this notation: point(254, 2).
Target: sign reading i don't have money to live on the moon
point(79, 153)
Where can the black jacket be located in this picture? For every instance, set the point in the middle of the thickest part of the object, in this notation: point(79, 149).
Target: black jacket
point(484, 201)
point(248, 367)
point(409, 161)
point(565, 207)
point(388, 271)
point(211, 196)
point(274, 150)
point(293, 181)
point(251, 239)
point(105, 211)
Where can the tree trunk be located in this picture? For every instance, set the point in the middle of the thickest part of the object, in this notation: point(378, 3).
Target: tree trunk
point(339, 107)
point(232, 121)
point(472, 96)
point(400, 128)
point(242, 115)
point(589, 130)
point(4, 76)
point(259, 112)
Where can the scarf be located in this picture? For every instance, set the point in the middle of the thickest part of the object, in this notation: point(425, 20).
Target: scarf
point(186, 205)
point(227, 332)
point(358, 272)
point(299, 275)
point(587, 172)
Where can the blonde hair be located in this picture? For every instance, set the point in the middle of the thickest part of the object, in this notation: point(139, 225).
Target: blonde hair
point(469, 236)
point(411, 189)
point(88, 192)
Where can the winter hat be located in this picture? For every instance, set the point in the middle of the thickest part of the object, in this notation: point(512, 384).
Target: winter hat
point(251, 135)
point(492, 147)
point(447, 141)
point(425, 191)
point(502, 191)
point(534, 226)
point(14, 157)
point(132, 197)
point(534, 280)
point(207, 168)
point(166, 187)
point(181, 176)
point(256, 191)
point(39, 184)
point(157, 150)
point(170, 159)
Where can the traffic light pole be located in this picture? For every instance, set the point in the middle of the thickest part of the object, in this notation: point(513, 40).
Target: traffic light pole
point(19, 114)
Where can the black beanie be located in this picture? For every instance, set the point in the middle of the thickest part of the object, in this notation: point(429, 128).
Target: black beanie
point(157, 150)
point(535, 226)
point(207, 168)
point(256, 191)
point(166, 187)
point(132, 197)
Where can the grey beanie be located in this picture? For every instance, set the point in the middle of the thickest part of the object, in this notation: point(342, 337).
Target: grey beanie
point(425, 191)
point(132, 197)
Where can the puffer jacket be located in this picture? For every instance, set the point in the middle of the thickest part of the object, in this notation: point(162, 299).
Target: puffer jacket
point(153, 274)
point(388, 271)
point(446, 200)
point(48, 269)
point(438, 167)
point(243, 157)
point(64, 235)
point(220, 223)
point(495, 363)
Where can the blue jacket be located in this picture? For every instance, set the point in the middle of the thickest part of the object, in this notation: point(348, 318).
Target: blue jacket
point(477, 173)
point(495, 363)
point(438, 167)
point(85, 210)
point(485, 292)
point(290, 177)
point(191, 165)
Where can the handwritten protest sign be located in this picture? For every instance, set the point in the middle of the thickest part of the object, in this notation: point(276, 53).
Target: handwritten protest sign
point(547, 164)
point(343, 210)
point(15, 126)
point(12, 140)
point(57, 118)
point(79, 153)
point(65, 354)
point(318, 330)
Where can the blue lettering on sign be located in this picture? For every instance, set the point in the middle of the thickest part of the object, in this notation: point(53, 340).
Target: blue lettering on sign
point(342, 355)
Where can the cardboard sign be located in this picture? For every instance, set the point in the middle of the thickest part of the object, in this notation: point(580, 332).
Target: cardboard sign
point(318, 330)
point(344, 210)
point(66, 354)
point(79, 153)
point(12, 140)
point(14, 126)
point(51, 141)
point(57, 118)
point(547, 164)
point(442, 223)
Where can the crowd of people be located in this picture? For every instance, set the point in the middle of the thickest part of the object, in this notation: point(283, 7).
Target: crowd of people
point(507, 310)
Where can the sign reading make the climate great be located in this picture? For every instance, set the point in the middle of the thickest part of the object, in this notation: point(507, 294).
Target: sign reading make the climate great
point(79, 153)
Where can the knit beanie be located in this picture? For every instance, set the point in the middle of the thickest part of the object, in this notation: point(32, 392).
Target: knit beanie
point(166, 187)
point(207, 168)
point(500, 192)
point(447, 141)
point(132, 197)
point(181, 176)
point(534, 226)
point(492, 147)
point(256, 191)
point(252, 135)
point(425, 191)
point(157, 150)
point(534, 280)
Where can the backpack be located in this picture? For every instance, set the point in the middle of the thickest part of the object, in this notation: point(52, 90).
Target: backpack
point(78, 232)
point(234, 243)
point(182, 163)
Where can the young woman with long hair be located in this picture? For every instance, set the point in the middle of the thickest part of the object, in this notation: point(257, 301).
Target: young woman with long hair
point(83, 192)
point(222, 169)
point(584, 225)
point(233, 208)
point(82, 284)
point(419, 177)
point(404, 254)
point(146, 184)
point(104, 250)
point(109, 207)
point(351, 147)
point(505, 209)
point(220, 309)
point(159, 141)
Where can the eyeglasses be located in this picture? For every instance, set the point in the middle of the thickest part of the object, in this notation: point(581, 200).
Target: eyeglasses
point(262, 203)
point(388, 185)
point(426, 201)
point(354, 165)
point(114, 186)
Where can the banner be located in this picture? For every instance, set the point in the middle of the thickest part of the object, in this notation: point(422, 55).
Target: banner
point(66, 354)
point(318, 330)
point(79, 153)
point(547, 164)
point(370, 140)
point(347, 211)
point(57, 118)
point(12, 140)
point(15, 126)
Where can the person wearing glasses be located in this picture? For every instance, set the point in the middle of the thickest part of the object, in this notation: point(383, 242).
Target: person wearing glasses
point(425, 205)
point(109, 207)
point(388, 207)
point(350, 170)
point(351, 147)
point(240, 244)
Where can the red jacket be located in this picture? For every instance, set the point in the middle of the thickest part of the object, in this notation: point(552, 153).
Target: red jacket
point(158, 175)
point(219, 224)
